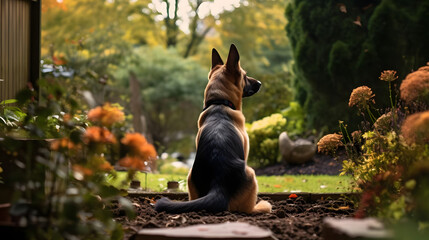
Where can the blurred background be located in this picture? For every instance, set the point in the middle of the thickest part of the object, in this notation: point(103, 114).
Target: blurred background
point(153, 57)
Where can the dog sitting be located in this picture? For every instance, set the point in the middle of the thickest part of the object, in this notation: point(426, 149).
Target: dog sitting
point(220, 179)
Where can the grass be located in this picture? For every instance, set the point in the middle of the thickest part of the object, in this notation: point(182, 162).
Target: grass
point(269, 184)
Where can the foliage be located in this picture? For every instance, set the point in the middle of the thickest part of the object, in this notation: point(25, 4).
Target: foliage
point(264, 140)
point(171, 91)
point(257, 29)
point(296, 119)
point(62, 192)
point(10, 116)
point(389, 160)
point(339, 45)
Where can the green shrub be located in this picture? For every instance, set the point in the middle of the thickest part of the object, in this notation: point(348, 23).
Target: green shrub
point(169, 168)
point(263, 137)
point(295, 116)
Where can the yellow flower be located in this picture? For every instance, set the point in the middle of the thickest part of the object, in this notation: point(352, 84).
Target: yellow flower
point(361, 96)
point(416, 85)
point(329, 143)
point(106, 115)
point(415, 128)
point(388, 76)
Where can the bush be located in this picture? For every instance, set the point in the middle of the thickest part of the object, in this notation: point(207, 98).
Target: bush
point(263, 137)
point(296, 122)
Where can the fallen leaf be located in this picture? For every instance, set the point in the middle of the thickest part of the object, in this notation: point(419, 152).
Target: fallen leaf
point(277, 186)
point(342, 7)
point(357, 22)
point(293, 195)
point(344, 208)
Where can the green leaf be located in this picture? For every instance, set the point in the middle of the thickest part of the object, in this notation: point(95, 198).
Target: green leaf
point(8, 101)
point(128, 207)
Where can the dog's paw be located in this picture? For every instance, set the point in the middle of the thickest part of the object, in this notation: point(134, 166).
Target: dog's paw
point(263, 207)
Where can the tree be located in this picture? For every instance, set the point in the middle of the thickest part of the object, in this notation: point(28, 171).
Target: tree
point(172, 90)
point(339, 45)
point(257, 28)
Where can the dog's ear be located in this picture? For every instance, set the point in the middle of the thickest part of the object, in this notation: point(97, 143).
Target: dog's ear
point(233, 59)
point(216, 59)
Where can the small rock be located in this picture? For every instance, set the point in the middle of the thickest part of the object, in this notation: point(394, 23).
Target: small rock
point(352, 228)
point(295, 152)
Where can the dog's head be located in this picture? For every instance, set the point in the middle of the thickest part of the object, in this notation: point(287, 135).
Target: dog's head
point(229, 81)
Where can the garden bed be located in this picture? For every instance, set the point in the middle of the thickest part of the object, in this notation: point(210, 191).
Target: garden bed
point(299, 218)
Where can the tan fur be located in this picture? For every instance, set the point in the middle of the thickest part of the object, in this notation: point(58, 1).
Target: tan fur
point(224, 85)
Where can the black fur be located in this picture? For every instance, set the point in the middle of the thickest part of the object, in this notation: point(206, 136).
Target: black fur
point(218, 172)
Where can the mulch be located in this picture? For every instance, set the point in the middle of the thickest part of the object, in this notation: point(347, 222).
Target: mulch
point(290, 219)
point(319, 164)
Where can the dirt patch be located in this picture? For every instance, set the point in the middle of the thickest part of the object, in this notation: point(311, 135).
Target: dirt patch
point(290, 219)
point(320, 164)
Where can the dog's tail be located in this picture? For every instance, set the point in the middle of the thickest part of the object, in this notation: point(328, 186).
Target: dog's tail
point(215, 201)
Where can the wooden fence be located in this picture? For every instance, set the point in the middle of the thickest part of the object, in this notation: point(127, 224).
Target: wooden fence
point(19, 45)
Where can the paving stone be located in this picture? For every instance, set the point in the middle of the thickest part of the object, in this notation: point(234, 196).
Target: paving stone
point(352, 228)
point(228, 230)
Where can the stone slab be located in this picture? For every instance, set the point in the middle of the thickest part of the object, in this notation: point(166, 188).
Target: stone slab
point(228, 230)
point(352, 228)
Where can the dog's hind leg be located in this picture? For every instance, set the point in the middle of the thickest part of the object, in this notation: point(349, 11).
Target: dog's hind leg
point(245, 201)
point(192, 191)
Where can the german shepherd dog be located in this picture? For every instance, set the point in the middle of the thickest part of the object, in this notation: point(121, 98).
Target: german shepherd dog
point(220, 179)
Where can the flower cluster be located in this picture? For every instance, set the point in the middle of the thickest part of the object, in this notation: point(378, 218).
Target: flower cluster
point(99, 135)
point(416, 85)
point(361, 97)
point(384, 122)
point(329, 143)
point(140, 152)
point(106, 115)
point(415, 128)
point(356, 136)
point(388, 76)
point(63, 143)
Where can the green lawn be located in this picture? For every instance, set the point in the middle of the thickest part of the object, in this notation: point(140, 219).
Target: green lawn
point(271, 184)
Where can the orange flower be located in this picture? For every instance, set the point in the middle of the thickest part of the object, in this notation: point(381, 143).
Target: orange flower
point(82, 170)
point(133, 162)
point(99, 135)
point(329, 143)
point(106, 166)
point(106, 115)
point(138, 146)
point(361, 96)
point(416, 85)
point(388, 76)
point(63, 143)
point(415, 128)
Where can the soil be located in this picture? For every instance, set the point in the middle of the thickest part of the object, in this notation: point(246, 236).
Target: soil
point(290, 219)
point(319, 164)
